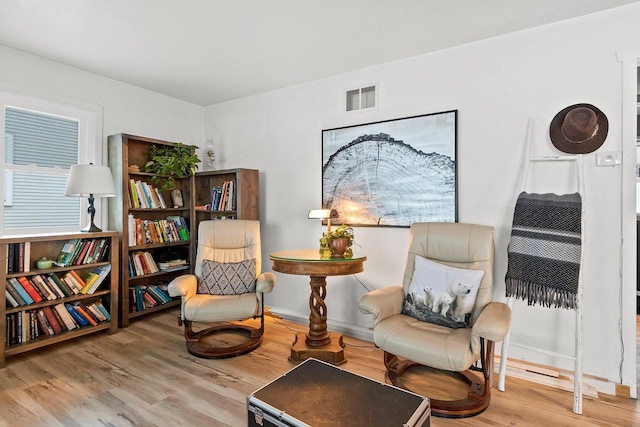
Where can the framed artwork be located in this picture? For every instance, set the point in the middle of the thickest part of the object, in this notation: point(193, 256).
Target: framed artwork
point(392, 173)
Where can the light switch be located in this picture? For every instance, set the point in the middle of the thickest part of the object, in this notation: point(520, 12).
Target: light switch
point(610, 158)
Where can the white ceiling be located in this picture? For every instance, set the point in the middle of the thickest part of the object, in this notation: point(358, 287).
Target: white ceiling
point(211, 51)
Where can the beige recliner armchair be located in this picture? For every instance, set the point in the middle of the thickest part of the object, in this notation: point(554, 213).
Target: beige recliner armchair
point(452, 345)
point(226, 255)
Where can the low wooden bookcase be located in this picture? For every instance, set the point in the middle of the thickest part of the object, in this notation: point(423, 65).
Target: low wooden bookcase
point(34, 248)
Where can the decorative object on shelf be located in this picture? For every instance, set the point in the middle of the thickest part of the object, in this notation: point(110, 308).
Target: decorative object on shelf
point(90, 181)
point(176, 198)
point(211, 155)
point(392, 173)
point(337, 243)
point(170, 162)
point(44, 263)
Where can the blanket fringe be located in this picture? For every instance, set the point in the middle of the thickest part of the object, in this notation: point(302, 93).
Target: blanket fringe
point(535, 293)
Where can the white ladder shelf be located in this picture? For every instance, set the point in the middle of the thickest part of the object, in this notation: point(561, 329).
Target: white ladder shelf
point(577, 374)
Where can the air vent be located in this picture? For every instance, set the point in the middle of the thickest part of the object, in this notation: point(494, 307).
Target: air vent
point(361, 99)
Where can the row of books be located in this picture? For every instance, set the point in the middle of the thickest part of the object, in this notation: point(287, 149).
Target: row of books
point(146, 196)
point(27, 325)
point(26, 290)
point(83, 251)
point(18, 257)
point(143, 231)
point(141, 263)
point(144, 297)
point(223, 197)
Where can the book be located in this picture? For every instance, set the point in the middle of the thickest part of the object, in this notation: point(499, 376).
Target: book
point(65, 253)
point(81, 310)
point(100, 274)
point(54, 280)
point(10, 299)
point(45, 291)
point(103, 309)
point(96, 313)
point(51, 318)
point(45, 327)
point(20, 290)
point(78, 279)
point(80, 319)
point(65, 316)
point(31, 290)
point(14, 293)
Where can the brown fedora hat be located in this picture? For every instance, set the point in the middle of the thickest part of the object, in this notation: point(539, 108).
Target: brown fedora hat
point(579, 129)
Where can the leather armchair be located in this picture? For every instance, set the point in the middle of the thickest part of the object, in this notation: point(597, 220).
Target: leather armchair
point(409, 342)
point(228, 241)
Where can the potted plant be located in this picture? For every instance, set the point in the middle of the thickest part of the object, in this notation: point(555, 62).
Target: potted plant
point(170, 162)
point(338, 242)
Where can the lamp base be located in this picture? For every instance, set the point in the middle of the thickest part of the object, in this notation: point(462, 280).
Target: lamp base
point(91, 228)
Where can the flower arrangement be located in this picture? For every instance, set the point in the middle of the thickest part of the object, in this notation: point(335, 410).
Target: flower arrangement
point(338, 242)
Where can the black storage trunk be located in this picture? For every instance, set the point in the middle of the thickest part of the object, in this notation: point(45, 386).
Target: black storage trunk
point(318, 394)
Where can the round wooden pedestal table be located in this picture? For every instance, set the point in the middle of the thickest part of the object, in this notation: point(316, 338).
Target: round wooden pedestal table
point(318, 342)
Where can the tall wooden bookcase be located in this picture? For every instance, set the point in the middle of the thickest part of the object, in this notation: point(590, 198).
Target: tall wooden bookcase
point(49, 246)
point(128, 155)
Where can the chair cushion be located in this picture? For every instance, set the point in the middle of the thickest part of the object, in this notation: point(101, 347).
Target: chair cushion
point(441, 294)
point(228, 278)
point(220, 308)
point(425, 343)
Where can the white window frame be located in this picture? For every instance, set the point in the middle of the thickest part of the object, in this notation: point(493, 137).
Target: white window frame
point(90, 149)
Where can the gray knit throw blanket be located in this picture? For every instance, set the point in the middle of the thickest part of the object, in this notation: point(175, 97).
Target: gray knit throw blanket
point(544, 250)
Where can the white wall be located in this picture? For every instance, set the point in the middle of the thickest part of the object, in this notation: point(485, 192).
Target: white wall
point(126, 108)
point(496, 85)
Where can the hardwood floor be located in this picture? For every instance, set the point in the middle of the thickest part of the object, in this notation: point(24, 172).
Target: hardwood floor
point(143, 376)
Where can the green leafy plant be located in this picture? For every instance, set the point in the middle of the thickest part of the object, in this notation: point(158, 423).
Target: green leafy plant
point(171, 162)
point(343, 231)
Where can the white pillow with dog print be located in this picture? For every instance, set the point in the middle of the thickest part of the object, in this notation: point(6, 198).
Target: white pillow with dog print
point(441, 294)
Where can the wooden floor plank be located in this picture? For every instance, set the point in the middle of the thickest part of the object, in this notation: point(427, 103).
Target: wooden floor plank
point(143, 376)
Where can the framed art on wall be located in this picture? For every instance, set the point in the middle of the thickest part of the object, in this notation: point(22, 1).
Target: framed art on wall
point(392, 173)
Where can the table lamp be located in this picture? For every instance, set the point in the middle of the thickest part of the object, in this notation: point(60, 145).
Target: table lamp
point(324, 214)
point(89, 181)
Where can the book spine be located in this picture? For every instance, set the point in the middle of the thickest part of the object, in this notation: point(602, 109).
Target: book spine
point(76, 316)
point(51, 318)
point(21, 291)
point(14, 293)
point(27, 286)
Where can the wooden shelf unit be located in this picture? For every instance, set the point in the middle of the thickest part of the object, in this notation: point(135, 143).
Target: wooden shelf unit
point(125, 151)
point(49, 246)
point(247, 194)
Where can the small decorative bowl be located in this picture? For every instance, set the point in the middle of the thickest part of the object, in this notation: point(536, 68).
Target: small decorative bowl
point(44, 263)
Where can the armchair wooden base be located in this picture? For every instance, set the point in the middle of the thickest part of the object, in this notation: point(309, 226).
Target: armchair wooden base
point(197, 346)
point(479, 394)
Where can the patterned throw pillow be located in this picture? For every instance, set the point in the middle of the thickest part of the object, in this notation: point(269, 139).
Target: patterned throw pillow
point(441, 294)
point(228, 278)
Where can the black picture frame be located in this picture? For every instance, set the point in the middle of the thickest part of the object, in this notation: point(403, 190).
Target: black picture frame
point(394, 172)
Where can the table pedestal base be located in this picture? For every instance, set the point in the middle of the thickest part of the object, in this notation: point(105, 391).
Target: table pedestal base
point(331, 353)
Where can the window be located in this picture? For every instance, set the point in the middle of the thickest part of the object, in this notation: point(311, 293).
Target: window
point(42, 140)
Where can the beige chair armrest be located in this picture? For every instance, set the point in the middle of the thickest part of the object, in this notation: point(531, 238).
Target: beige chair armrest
point(183, 286)
point(382, 303)
point(493, 323)
point(265, 282)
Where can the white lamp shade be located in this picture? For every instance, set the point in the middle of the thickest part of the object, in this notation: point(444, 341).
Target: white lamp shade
point(85, 180)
